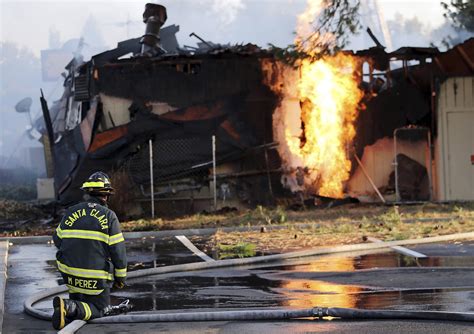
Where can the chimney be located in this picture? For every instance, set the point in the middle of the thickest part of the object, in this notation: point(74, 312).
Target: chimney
point(154, 16)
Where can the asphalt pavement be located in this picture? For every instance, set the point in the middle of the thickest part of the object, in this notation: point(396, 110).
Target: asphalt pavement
point(443, 281)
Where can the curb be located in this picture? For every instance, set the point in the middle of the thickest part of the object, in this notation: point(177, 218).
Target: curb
point(3, 278)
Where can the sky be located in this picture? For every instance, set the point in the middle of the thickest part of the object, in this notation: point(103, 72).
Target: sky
point(29, 23)
point(258, 21)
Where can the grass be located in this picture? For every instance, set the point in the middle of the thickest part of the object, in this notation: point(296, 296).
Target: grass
point(389, 226)
point(391, 216)
point(360, 213)
point(240, 250)
point(346, 225)
point(340, 225)
point(143, 225)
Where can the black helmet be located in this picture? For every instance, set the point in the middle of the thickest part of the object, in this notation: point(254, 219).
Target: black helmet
point(98, 184)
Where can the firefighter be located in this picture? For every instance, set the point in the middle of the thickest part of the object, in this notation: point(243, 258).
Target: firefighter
point(91, 254)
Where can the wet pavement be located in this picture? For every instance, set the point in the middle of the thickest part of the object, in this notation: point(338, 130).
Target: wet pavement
point(385, 280)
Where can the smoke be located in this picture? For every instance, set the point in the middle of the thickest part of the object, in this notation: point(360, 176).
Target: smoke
point(227, 10)
point(304, 26)
point(408, 31)
point(411, 31)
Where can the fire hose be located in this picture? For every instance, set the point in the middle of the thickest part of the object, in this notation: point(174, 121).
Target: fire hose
point(265, 314)
point(282, 314)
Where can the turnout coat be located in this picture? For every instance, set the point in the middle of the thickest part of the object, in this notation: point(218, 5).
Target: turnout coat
point(91, 248)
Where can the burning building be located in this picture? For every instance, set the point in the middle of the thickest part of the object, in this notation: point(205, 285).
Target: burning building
point(352, 124)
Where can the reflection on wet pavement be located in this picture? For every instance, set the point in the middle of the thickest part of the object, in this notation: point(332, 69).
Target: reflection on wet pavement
point(327, 281)
point(201, 291)
point(157, 252)
point(30, 270)
point(258, 287)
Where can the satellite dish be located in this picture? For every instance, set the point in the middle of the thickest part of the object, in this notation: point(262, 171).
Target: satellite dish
point(24, 105)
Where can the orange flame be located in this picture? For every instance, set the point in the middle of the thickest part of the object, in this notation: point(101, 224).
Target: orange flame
point(330, 96)
point(328, 92)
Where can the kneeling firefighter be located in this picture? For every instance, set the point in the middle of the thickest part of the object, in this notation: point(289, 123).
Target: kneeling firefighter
point(91, 254)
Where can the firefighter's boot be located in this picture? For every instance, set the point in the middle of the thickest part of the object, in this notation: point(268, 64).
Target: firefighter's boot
point(64, 309)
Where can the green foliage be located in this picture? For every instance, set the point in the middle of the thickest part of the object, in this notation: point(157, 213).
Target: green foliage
point(427, 229)
point(281, 214)
point(392, 216)
point(264, 214)
point(339, 18)
point(344, 228)
point(460, 13)
point(247, 218)
point(400, 236)
point(240, 250)
point(267, 215)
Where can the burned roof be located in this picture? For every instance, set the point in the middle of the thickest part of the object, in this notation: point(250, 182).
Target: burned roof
point(458, 61)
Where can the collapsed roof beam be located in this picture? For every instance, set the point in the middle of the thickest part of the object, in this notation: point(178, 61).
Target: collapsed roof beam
point(376, 41)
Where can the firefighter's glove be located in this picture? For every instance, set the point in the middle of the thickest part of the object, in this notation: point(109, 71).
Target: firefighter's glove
point(119, 285)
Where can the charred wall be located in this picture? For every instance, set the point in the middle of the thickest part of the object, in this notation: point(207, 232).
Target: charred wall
point(222, 96)
point(399, 105)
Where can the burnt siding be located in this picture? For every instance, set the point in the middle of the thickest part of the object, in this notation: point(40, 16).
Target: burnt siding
point(401, 105)
point(233, 82)
point(162, 81)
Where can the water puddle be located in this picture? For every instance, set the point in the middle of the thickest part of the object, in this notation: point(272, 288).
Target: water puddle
point(377, 280)
point(197, 292)
point(384, 259)
point(319, 281)
point(157, 252)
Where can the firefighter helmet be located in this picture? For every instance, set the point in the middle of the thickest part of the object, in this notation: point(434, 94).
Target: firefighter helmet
point(98, 184)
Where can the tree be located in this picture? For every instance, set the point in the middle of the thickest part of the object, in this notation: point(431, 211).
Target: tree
point(324, 28)
point(460, 13)
point(331, 30)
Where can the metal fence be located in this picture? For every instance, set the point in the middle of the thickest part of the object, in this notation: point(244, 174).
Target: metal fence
point(186, 175)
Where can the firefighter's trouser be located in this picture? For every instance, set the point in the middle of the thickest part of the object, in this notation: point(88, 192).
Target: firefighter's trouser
point(90, 306)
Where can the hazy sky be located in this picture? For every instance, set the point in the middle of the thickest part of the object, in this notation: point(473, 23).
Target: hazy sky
point(28, 24)
point(258, 21)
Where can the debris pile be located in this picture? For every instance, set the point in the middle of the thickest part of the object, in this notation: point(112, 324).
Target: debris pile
point(10, 209)
point(23, 218)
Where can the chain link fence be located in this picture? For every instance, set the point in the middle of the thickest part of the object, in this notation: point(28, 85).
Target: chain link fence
point(182, 176)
